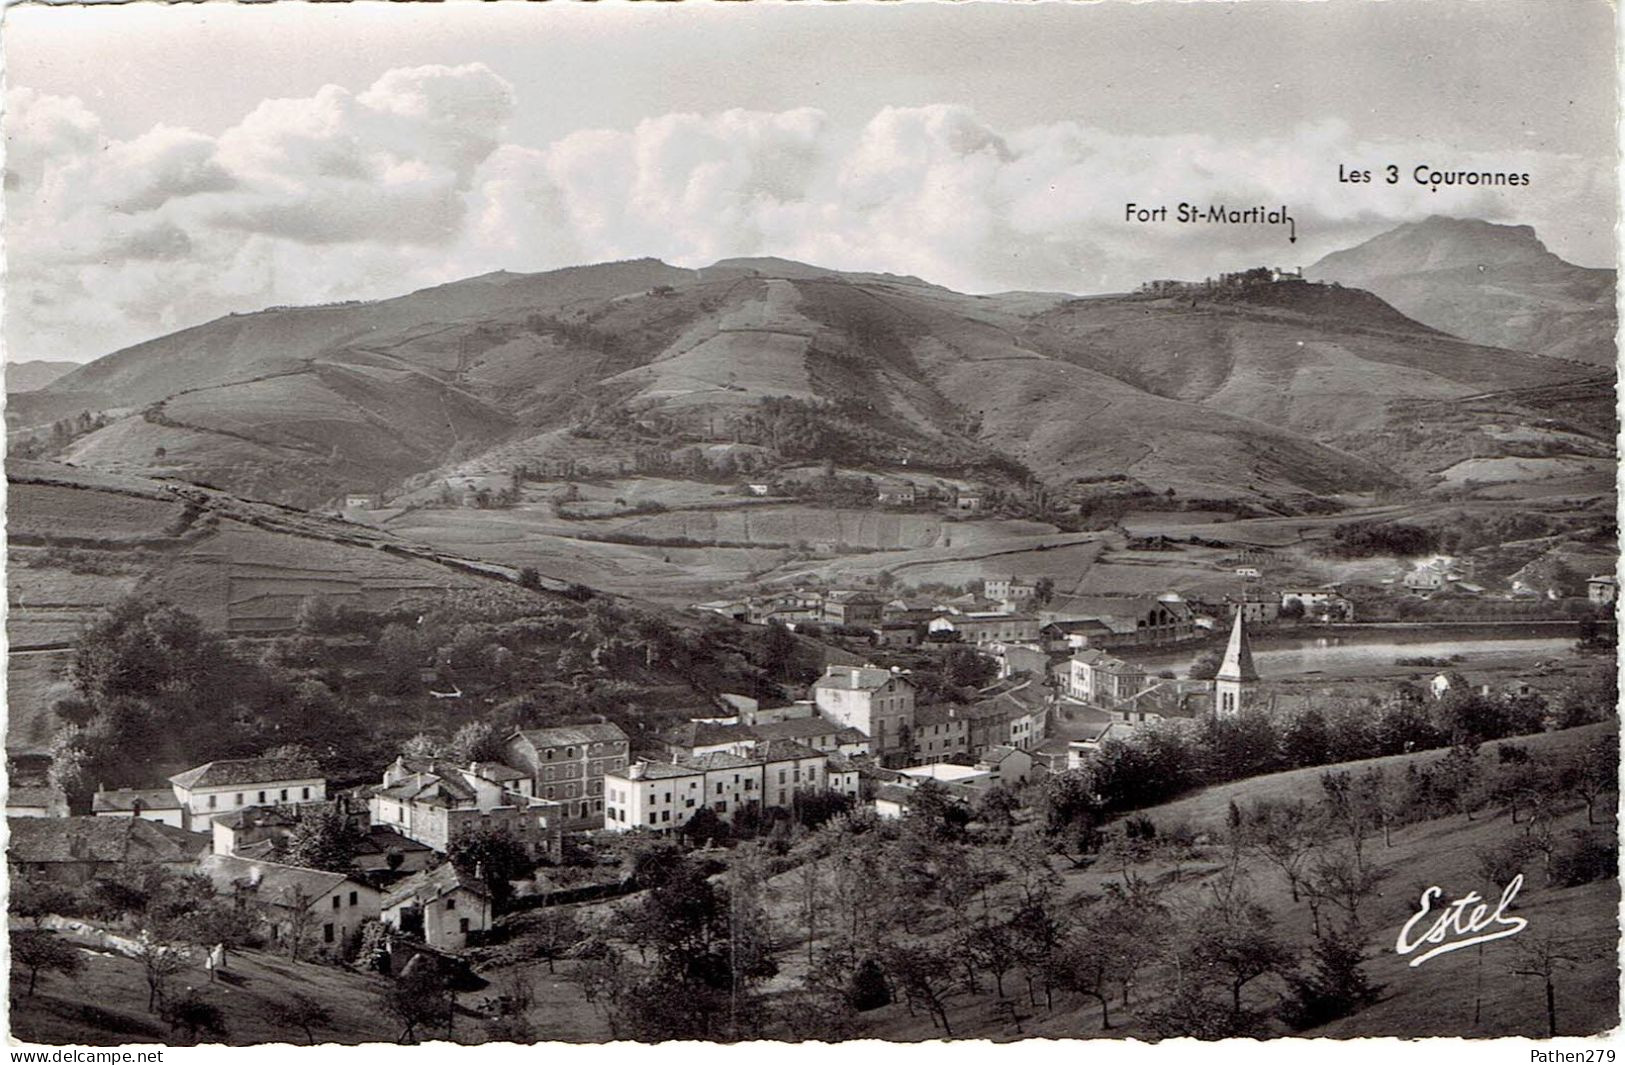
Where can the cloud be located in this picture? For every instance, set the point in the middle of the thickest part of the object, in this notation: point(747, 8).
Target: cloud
point(408, 182)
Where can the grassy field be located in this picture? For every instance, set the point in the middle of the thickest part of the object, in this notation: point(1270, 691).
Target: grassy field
point(106, 1003)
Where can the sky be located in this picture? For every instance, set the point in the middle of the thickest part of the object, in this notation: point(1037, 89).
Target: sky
point(167, 165)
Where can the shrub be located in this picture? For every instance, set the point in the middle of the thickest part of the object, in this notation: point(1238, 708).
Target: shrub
point(1589, 857)
point(1503, 861)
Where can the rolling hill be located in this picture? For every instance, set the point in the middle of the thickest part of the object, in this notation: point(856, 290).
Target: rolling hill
point(35, 373)
point(1491, 284)
point(1270, 393)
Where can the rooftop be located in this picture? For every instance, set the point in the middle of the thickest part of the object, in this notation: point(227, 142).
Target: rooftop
point(946, 773)
point(100, 839)
point(567, 735)
point(226, 772)
point(857, 678)
point(432, 884)
point(282, 884)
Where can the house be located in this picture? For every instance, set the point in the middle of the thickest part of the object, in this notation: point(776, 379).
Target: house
point(895, 493)
point(294, 903)
point(567, 763)
point(786, 607)
point(968, 501)
point(1009, 765)
point(1017, 658)
point(661, 796)
point(1602, 590)
point(1256, 609)
point(940, 733)
point(231, 784)
point(1130, 621)
point(853, 607)
point(1426, 578)
point(1008, 589)
point(443, 905)
point(76, 850)
point(1249, 572)
point(817, 733)
point(732, 609)
point(1075, 634)
point(891, 801)
point(434, 803)
point(360, 501)
point(695, 738)
point(149, 804)
point(238, 831)
point(1012, 716)
point(24, 800)
point(986, 627)
point(1323, 603)
point(1097, 677)
point(758, 488)
point(877, 702)
point(384, 850)
point(897, 634)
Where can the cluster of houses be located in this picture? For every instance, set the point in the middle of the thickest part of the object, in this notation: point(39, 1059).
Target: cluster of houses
point(235, 821)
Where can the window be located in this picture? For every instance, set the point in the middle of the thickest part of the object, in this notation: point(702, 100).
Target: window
point(451, 903)
point(211, 802)
point(462, 926)
point(284, 795)
point(569, 752)
point(665, 815)
point(722, 807)
point(327, 933)
point(352, 898)
point(304, 793)
point(652, 818)
point(239, 801)
point(548, 755)
point(335, 902)
point(262, 798)
point(719, 787)
point(598, 807)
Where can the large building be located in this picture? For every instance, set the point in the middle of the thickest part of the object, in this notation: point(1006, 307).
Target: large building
point(1127, 621)
point(989, 627)
point(877, 702)
point(661, 796)
point(854, 607)
point(222, 786)
point(1102, 679)
point(434, 804)
point(1237, 678)
point(567, 764)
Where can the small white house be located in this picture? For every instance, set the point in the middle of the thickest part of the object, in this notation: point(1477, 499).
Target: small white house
point(149, 804)
point(443, 905)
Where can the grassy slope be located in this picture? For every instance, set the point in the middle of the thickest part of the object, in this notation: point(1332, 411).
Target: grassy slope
point(106, 1004)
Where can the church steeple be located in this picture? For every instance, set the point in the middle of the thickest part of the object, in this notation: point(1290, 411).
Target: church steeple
point(1232, 687)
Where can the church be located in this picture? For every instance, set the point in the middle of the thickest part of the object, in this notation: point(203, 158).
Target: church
point(1236, 684)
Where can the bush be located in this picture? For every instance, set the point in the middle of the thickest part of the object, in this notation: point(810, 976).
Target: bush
point(868, 989)
point(1588, 858)
point(1503, 861)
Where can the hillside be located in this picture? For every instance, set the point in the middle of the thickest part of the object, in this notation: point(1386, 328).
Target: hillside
point(1269, 393)
point(1490, 284)
point(35, 373)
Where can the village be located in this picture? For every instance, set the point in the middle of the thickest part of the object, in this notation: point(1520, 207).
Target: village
point(415, 872)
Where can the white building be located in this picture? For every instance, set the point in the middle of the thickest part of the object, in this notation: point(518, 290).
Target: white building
point(1237, 677)
point(230, 784)
point(878, 703)
point(662, 796)
point(443, 905)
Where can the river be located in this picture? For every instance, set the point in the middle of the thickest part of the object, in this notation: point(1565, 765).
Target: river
point(1362, 651)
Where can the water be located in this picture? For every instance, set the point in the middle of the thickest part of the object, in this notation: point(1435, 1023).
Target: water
point(1376, 651)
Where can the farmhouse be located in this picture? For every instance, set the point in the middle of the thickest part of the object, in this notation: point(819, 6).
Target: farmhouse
point(568, 763)
point(230, 784)
point(443, 905)
point(294, 903)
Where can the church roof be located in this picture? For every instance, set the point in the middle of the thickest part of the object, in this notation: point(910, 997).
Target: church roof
point(1238, 656)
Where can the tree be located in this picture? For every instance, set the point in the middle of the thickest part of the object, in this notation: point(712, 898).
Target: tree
point(160, 962)
point(328, 840)
point(1542, 958)
point(529, 578)
point(928, 978)
point(420, 997)
point(1284, 834)
point(1591, 772)
point(1234, 941)
point(190, 1013)
point(36, 951)
point(554, 931)
point(477, 741)
point(494, 854)
point(1044, 589)
point(1335, 987)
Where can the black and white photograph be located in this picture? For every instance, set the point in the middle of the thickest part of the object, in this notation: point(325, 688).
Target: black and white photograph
point(799, 522)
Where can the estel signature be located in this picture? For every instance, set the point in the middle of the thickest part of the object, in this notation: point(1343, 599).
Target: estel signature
point(1466, 918)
